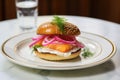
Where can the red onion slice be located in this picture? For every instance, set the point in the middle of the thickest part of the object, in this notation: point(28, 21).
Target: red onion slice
point(47, 40)
point(36, 39)
point(31, 44)
point(65, 41)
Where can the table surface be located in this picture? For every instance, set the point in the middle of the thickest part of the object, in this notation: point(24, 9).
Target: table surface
point(109, 70)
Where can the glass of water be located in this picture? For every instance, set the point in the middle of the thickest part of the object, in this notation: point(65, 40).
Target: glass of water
point(27, 13)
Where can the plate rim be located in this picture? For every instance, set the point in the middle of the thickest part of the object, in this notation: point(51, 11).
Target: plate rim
point(113, 52)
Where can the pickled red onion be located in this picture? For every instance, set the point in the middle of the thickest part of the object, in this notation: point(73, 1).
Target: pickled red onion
point(31, 44)
point(66, 41)
point(47, 41)
point(72, 41)
point(36, 39)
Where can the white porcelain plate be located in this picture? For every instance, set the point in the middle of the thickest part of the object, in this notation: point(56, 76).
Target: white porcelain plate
point(17, 50)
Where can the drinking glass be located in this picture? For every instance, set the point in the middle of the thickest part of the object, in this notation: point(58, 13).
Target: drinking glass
point(27, 13)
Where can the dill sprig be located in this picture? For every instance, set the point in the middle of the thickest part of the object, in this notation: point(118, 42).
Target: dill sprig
point(60, 22)
point(35, 47)
point(87, 53)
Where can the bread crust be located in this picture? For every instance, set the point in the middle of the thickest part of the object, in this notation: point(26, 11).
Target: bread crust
point(54, 57)
point(51, 28)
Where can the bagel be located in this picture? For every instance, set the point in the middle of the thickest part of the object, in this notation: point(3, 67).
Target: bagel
point(52, 28)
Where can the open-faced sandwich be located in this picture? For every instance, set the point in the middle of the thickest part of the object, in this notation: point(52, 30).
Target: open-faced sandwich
point(56, 40)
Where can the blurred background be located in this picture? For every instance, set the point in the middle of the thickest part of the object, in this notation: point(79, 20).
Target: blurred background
point(102, 9)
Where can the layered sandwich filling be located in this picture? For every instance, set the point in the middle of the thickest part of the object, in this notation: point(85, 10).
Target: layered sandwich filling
point(62, 45)
point(52, 51)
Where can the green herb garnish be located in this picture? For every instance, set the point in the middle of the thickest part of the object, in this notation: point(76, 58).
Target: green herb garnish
point(87, 53)
point(60, 22)
point(35, 47)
